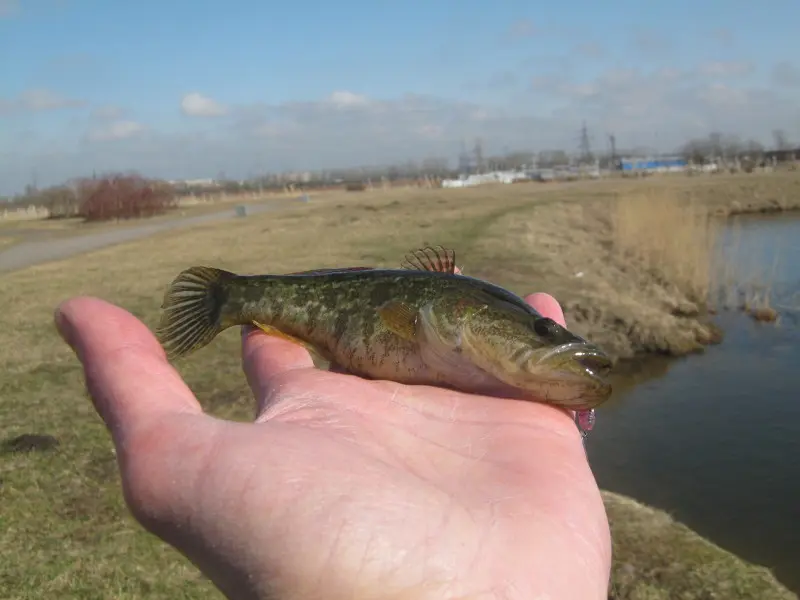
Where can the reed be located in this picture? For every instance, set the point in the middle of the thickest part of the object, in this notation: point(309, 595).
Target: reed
point(672, 236)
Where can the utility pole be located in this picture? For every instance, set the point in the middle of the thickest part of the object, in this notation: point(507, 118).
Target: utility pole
point(612, 142)
point(464, 167)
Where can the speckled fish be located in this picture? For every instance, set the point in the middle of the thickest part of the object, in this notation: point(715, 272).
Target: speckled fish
point(422, 324)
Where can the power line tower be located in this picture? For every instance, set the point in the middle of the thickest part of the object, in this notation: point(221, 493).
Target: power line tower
point(612, 142)
point(464, 166)
point(478, 151)
point(585, 146)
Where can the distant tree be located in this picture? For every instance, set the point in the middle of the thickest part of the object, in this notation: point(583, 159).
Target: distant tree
point(435, 166)
point(62, 201)
point(732, 146)
point(781, 140)
point(715, 145)
point(123, 197)
point(552, 158)
point(754, 149)
point(496, 163)
point(517, 160)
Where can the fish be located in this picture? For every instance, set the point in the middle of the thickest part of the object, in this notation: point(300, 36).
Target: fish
point(421, 259)
point(445, 262)
point(420, 324)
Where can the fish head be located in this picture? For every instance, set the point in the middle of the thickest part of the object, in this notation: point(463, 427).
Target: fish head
point(522, 353)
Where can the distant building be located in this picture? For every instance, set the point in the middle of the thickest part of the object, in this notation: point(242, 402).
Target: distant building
point(194, 182)
point(786, 155)
point(664, 164)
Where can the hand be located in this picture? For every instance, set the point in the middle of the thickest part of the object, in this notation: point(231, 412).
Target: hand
point(343, 487)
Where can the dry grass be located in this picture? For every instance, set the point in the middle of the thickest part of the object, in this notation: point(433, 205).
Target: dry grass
point(701, 572)
point(69, 227)
point(64, 529)
point(665, 234)
point(6, 241)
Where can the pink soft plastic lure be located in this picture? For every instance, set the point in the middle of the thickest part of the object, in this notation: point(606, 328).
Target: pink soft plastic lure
point(585, 420)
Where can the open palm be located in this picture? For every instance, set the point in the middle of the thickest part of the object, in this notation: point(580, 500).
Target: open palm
point(346, 488)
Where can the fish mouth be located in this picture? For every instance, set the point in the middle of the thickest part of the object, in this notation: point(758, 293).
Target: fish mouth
point(594, 361)
point(570, 376)
point(573, 375)
point(583, 364)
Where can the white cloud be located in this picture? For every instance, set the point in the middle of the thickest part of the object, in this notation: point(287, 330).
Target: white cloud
point(36, 100)
point(659, 107)
point(726, 68)
point(429, 131)
point(662, 108)
point(107, 111)
point(195, 104)
point(721, 96)
point(344, 99)
point(116, 130)
point(785, 74)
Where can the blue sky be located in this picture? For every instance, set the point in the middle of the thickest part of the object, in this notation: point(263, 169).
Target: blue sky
point(188, 89)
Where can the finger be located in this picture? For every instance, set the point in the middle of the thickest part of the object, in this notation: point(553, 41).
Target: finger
point(162, 437)
point(127, 373)
point(547, 306)
point(264, 357)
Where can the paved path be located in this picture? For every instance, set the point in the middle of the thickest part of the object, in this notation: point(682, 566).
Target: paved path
point(28, 253)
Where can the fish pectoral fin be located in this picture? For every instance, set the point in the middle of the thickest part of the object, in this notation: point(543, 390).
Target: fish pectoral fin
point(437, 259)
point(272, 331)
point(400, 319)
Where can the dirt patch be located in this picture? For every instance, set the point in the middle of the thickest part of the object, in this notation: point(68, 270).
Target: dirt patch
point(30, 442)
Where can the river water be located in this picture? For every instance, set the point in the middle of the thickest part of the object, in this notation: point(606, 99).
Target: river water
point(714, 439)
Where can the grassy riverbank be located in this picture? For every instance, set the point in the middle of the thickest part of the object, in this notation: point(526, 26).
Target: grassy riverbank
point(629, 260)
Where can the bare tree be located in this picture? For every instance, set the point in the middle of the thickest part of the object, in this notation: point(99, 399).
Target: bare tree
point(551, 158)
point(781, 141)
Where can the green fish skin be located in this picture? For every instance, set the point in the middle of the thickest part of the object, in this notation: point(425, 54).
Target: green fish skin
point(422, 325)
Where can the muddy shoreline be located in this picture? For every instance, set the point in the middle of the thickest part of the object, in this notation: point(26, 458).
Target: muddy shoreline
point(708, 332)
point(647, 315)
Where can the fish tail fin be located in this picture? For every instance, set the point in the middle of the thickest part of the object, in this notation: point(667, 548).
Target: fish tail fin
point(192, 310)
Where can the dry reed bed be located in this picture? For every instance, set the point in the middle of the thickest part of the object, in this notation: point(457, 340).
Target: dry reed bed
point(641, 273)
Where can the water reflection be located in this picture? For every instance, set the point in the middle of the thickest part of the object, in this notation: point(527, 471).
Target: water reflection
point(715, 438)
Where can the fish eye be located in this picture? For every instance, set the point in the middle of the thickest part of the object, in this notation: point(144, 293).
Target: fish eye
point(546, 327)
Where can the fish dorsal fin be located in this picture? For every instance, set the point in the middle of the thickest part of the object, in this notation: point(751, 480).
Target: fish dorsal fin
point(431, 258)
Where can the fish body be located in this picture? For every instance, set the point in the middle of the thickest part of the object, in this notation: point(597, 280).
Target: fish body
point(423, 325)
